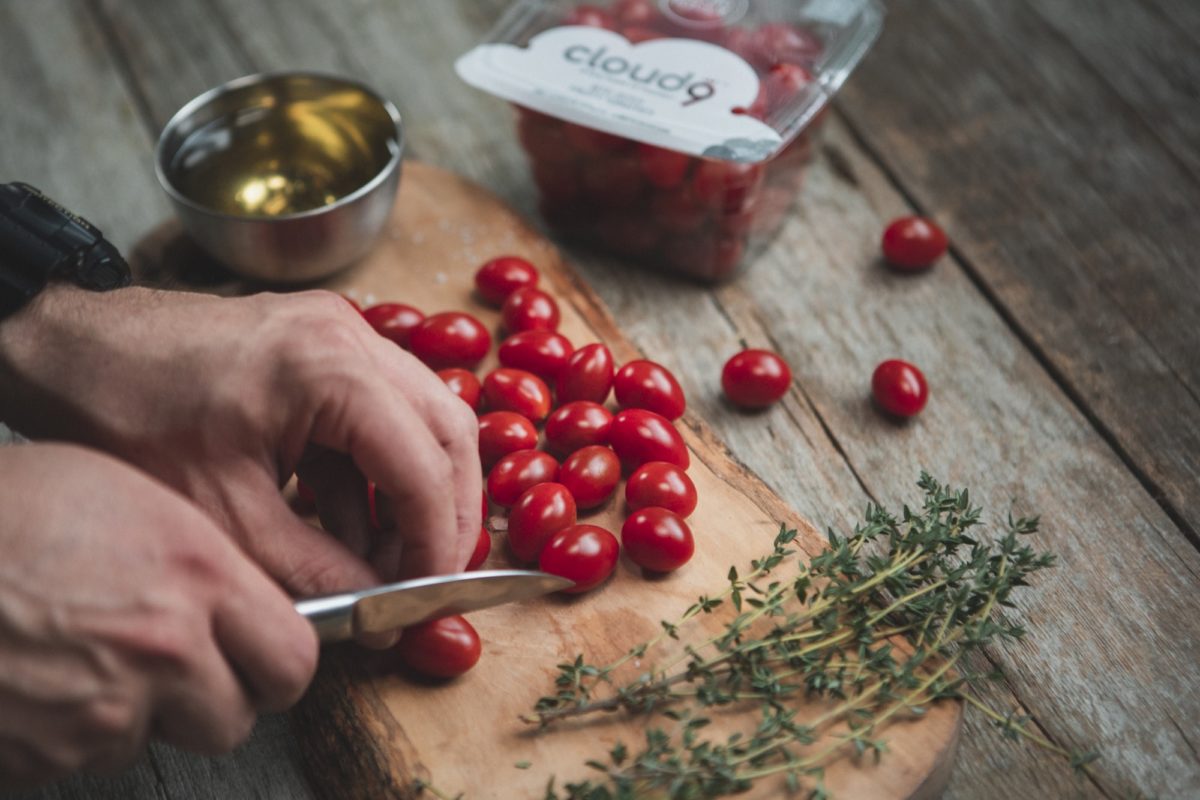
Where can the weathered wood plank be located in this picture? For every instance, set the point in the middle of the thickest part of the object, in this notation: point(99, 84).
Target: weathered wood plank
point(1063, 201)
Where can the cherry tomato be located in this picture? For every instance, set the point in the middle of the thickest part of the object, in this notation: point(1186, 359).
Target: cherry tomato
point(504, 432)
point(544, 353)
point(483, 546)
point(636, 12)
point(678, 212)
point(502, 276)
point(587, 375)
point(538, 514)
point(637, 35)
point(530, 309)
point(591, 475)
point(544, 139)
point(612, 183)
point(516, 390)
point(592, 16)
point(440, 648)
point(661, 484)
point(657, 539)
point(755, 378)
point(462, 383)
point(913, 243)
point(664, 169)
point(373, 505)
point(645, 384)
point(353, 303)
point(783, 82)
point(899, 388)
point(306, 498)
point(517, 472)
point(576, 425)
point(394, 321)
point(450, 339)
point(778, 42)
point(592, 142)
point(639, 436)
point(725, 185)
point(586, 554)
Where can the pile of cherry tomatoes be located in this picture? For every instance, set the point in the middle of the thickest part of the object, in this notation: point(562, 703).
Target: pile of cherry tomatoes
point(576, 463)
point(699, 216)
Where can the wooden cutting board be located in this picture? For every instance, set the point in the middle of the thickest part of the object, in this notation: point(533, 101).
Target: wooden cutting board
point(369, 731)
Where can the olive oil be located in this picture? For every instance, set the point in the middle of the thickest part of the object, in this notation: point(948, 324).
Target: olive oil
point(270, 161)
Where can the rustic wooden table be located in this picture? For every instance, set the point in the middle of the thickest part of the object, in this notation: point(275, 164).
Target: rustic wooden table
point(1056, 141)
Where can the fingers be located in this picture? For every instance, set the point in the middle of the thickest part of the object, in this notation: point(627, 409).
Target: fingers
point(456, 429)
point(205, 708)
point(394, 446)
point(341, 492)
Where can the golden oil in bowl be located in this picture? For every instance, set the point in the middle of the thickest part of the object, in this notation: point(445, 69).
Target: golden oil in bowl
point(270, 161)
point(284, 177)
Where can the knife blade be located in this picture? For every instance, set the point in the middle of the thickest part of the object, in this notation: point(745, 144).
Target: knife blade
point(338, 617)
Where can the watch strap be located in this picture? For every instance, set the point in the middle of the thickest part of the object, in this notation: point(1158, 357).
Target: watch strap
point(41, 241)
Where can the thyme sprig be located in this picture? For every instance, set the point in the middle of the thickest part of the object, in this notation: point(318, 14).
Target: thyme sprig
point(874, 628)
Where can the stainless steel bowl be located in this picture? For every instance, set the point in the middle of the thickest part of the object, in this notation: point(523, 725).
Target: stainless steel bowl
point(285, 177)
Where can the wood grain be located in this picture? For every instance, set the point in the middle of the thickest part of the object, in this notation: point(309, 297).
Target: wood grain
point(1067, 196)
point(963, 106)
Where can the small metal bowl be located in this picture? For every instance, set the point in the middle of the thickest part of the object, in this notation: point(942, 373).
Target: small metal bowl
point(285, 177)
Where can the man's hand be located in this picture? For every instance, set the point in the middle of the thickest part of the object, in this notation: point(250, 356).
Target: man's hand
point(223, 398)
point(125, 613)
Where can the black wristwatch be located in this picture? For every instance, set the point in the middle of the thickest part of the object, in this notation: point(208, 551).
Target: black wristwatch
point(40, 242)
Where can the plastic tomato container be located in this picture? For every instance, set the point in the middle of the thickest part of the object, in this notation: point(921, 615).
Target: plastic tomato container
point(672, 132)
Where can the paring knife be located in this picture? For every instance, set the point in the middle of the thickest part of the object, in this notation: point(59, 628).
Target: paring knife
point(338, 617)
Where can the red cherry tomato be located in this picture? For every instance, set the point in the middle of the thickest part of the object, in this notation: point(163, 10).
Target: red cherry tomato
point(530, 309)
point(783, 82)
point(678, 212)
point(645, 384)
point(663, 485)
point(502, 276)
point(483, 546)
point(586, 554)
point(664, 169)
point(591, 475)
point(657, 539)
point(517, 472)
point(504, 432)
point(637, 35)
point(462, 383)
point(592, 16)
point(587, 375)
point(899, 388)
point(450, 339)
point(612, 183)
point(306, 498)
point(726, 186)
point(576, 425)
point(394, 321)
point(755, 378)
point(592, 142)
point(544, 140)
point(440, 648)
point(544, 353)
point(636, 12)
point(538, 514)
point(913, 243)
point(778, 42)
point(639, 436)
point(516, 390)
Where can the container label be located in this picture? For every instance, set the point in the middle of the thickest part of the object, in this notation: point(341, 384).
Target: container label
point(681, 94)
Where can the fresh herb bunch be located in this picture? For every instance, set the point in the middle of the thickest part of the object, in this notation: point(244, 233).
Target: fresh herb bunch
point(874, 628)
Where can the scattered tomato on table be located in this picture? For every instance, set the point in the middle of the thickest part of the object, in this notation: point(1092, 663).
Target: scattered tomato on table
point(441, 648)
point(899, 388)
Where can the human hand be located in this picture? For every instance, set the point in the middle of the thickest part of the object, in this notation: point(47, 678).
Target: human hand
point(125, 614)
point(223, 399)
